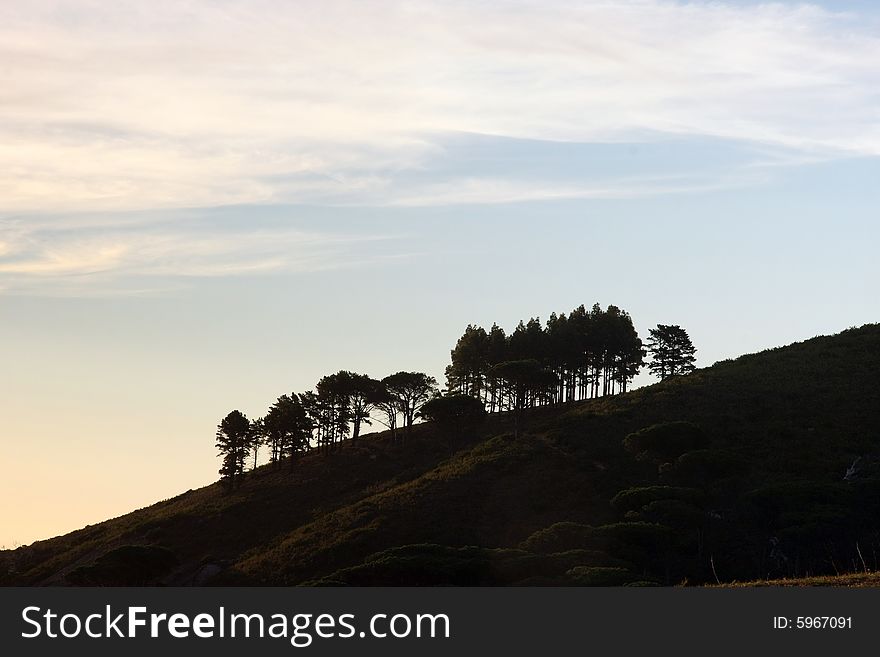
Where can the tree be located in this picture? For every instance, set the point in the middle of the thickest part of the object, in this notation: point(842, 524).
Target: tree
point(625, 354)
point(333, 408)
point(454, 414)
point(387, 405)
point(672, 352)
point(522, 382)
point(496, 353)
point(256, 438)
point(405, 393)
point(358, 394)
point(288, 427)
point(469, 362)
point(590, 352)
point(233, 441)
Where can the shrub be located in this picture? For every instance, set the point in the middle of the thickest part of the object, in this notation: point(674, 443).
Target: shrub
point(633, 499)
point(705, 466)
point(666, 441)
point(129, 565)
point(560, 537)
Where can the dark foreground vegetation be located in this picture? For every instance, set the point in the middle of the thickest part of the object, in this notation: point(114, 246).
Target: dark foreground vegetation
point(761, 468)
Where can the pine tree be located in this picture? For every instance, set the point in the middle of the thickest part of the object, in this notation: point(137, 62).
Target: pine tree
point(288, 427)
point(233, 441)
point(672, 352)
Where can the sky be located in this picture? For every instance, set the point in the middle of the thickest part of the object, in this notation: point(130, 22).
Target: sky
point(205, 205)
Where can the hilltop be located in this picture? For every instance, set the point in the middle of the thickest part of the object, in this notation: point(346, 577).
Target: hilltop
point(763, 467)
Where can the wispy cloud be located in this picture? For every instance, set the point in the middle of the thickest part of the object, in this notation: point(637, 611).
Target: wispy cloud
point(76, 256)
point(503, 191)
point(132, 105)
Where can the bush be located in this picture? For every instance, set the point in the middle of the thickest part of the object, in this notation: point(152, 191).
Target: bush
point(674, 513)
point(666, 441)
point(129, 565)
point(705, 466)
point(561, 537)
point(633, 499)
point(454, 412)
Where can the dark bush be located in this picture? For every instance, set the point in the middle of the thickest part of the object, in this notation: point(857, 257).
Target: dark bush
point(701, 468)
point(633, 499)
point(666, 441)
point(129, 565)
point(561, 537)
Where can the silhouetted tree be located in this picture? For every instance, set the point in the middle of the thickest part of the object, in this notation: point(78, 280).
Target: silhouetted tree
point(672, 352)
point(563, 357)
point(527, 342)
point(496, 353)
point(288, 427)
point(624, 352)
point(234, 444)
point(406, 393)
point(334, 409)
point(470, 359)
point(389, 409)
point(256, 438)
point(454, 414)
point(362, 394)
point(522, 383)
point(590, 352)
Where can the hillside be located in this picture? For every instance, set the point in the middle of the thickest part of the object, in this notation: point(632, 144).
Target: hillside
point(733, 473)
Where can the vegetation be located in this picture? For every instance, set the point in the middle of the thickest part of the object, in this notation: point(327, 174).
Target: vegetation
point(760, 469)
point(582, 356)
point(672, 352)
point(234, 442)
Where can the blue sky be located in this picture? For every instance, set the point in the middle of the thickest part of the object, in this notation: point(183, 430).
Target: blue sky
point(205, 206)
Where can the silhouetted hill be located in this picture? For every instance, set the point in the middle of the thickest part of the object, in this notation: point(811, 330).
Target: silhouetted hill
point(762, 467)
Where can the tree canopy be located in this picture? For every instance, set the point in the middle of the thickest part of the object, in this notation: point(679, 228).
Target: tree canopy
point(454, 414)
point(672, 352)
point(586, 354)
point(233, 441)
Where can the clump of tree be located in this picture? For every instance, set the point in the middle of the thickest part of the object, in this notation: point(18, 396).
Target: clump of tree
point(336, 410)
point(401, 396)
point(287, 428)
point(454, 414)
point(582, 355)
point(523, 384)
point(672, 352)
point(341, 405)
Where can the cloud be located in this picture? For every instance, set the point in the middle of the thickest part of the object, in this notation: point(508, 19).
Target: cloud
point(133, 105)
point(501, 191)
point(77, 256)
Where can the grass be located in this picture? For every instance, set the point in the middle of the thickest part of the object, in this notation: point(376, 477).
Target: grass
point(852, 580)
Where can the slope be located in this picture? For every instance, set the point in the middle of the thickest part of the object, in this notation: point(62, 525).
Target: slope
point(735, 472)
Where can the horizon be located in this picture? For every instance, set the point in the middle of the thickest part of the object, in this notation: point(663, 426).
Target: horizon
point(204, 208)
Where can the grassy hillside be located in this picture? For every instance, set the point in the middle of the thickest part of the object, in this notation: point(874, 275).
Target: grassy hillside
point(734, 473)
point(851, 580)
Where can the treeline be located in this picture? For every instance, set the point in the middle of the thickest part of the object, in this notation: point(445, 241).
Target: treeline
point(336, 410)
point(582, 355)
